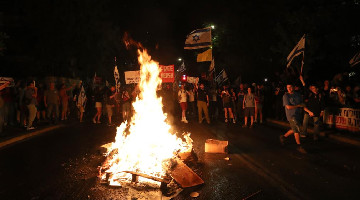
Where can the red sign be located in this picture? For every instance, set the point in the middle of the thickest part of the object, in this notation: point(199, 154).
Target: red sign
point(167, 73)
point(346, 119)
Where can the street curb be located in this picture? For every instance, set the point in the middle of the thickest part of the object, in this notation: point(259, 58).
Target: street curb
point(28, 135)
point(328, 134)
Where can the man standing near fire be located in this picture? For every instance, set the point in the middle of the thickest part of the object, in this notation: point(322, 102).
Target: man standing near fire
point(203, 103)
point(293, 104)
point(182, 96)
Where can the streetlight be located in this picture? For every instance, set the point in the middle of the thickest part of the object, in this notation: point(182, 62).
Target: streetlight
point(212, 26)
point(179, 59)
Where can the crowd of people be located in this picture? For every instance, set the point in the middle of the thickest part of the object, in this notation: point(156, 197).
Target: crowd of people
point(247, 104)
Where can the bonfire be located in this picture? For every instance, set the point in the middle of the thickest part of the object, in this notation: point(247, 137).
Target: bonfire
point(146, 146)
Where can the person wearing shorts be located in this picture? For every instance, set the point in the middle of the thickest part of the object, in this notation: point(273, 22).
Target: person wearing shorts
point(249, 107)
point(110, 104)
point(182, 95)
point(126, 104)
point(226, 98)
point(293, 104)
point(98, 97)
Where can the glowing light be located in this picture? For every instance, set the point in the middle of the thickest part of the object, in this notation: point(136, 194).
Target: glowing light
point(146, 144)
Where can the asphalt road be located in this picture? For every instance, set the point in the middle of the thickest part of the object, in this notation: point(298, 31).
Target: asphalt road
point(63, 164)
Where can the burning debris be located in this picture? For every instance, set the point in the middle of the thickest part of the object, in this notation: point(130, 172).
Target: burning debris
point(146, 153)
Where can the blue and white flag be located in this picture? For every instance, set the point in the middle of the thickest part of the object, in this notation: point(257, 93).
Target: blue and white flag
point(221, 77)
point(298, 49)
point(182, 67)
point(81, 102)
point(199, 38)
point(117, 79)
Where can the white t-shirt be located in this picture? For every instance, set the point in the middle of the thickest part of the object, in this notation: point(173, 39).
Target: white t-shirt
point(182, 95)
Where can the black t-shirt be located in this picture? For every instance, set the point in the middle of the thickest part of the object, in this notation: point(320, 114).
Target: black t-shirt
point(98, 96)
point(202, 95)
point(110, 101)
point(315, 103)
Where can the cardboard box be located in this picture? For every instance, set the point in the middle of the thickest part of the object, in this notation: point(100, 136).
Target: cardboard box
point(216, 146)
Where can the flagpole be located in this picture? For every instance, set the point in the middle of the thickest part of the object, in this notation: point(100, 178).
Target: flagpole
point(302, 63)
point(303, 58)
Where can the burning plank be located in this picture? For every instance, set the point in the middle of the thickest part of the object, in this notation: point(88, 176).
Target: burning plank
point(136, 174)
point(183, 175)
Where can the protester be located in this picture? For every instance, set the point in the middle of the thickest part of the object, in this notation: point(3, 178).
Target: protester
point(315, 109)
point(64, 98)
point(81, 103)
point(98, 98)
point(213, 108)
point(182, 97)
point(110, 104)
point(8, 97)
point(51, 102)
point(126, 104)
point(349, 96)
point(240, 96)
point(22, 110)
point(259, 101)
point(233, 104)
point(226, 99)
point(30, 102)
point(249, 107)
point(203, 103)
point(293, 104)
point(191, 100)
point(278, 104)
point(41, 110)
point(2, 87)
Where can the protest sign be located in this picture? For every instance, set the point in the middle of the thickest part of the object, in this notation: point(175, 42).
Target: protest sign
point(167, 73)
point(132, 77)
point(345, 119)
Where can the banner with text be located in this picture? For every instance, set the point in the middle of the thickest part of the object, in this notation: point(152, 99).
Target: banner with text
point(132, 77)
point(345, 119)
point(193, 80)
point(3, 80)
point(167, 73)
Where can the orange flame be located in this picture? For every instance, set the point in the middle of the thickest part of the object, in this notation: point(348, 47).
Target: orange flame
point(150, 145)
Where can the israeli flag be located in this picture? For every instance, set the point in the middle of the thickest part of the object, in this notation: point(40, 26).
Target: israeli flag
point(199, 38)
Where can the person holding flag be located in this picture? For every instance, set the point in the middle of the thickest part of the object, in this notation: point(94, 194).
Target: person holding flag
point(117, 78)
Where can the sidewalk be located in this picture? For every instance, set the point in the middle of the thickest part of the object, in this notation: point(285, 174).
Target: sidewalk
point(16, 135)
point(331, 134)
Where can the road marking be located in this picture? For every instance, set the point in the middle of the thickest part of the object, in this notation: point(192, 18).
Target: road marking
point(28, 135)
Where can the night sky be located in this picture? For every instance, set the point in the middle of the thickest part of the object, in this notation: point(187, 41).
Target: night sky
point(252, 38)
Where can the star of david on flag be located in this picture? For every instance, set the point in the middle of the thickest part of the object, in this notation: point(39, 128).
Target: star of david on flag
point(298, 49)
point(199, 38)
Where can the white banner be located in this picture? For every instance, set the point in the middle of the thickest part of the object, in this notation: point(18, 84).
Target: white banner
point(3, 80)
point(345, 119)
point(192, 79)
point(132, 77)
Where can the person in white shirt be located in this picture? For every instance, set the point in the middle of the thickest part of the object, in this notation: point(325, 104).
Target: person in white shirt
point(182, 95)
point(191, 101)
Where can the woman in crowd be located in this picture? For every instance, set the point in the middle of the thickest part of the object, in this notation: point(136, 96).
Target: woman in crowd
point(98, 98)
point(226, 98)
